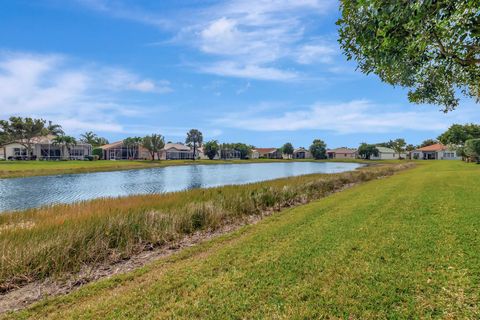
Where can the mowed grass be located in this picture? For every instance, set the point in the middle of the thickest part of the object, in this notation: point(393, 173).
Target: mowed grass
point(16, 169)
point(403, 247)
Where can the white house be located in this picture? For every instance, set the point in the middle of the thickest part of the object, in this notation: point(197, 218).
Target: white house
point(44, 148)
point(387, 154)
point(434, 152)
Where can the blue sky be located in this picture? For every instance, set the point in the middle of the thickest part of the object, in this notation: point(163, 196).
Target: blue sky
point(256, 71)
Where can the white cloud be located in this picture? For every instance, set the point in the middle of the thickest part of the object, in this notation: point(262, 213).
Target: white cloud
point(308, 54)
point(81, 97)
point(358, 116)
point(232, 69)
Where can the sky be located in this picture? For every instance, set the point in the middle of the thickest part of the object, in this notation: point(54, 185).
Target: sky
point(254, 71)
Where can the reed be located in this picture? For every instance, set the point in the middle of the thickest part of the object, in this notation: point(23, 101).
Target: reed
point(60, 240)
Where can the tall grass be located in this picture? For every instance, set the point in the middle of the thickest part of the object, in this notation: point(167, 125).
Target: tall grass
point(58, 240)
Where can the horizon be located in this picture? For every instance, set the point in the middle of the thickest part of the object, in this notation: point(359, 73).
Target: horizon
point(259, 72)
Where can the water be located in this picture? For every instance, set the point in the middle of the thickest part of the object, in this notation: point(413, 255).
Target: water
point(23, 193)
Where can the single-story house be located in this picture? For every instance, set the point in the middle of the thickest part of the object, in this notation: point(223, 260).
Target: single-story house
point(119, 151)
point(179, 151)
point(44, 148)
point(230, 154)
point(387, 154)
point(301, 153)
point(342, 153)
point(268, 153)
point(436, 151)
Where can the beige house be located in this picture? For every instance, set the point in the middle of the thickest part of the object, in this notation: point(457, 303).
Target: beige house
point(342, 153)
point(387, 154)
point(267, 153)
point(119, 151)
point(44, 148)
point(179, 151)
point(301, 153)
point(434, 152)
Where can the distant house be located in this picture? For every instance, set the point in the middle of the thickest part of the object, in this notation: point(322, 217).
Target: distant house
point(342, 153)
point(387, 154)
point(230, 154)
point(301, 153)
point(179, 151)
point(44, 148)
point(436, 151)
point(267, 153)
point(119, 151)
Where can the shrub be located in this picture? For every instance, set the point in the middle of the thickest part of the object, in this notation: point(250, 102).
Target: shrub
point(98, 152)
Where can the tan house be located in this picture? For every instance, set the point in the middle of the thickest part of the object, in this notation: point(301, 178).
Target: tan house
point(301, 153)
point(436, 151)
point(267, 153)
point(119, 151)
point(45, 148)
point(342, 153)
point(179, 151)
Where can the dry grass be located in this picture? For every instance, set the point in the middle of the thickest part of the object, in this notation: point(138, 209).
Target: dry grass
point(59, 240)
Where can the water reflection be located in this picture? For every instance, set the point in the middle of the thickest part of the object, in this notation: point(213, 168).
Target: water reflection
point(33, 192)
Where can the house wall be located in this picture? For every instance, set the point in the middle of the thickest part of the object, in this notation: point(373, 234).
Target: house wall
point(385, 156)
point(344, 155)
point(440, 155)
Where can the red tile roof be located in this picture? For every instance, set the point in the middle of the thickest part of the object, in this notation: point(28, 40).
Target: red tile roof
point(433, 147)
point(265, 150)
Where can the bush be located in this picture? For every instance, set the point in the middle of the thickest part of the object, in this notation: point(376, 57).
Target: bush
point(98, 152)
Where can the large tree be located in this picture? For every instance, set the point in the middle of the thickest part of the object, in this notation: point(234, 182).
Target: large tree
point(430, 47)
point(318, 149)
point(93, 139)
point(55, 129)
point(366, 151)
point(154, 144)
point(132, 144)
point(457, 134)
point(211, 149)
point(399, 146)
point(472, 149)
point(287, 149)
point(23, 131)
point(194, 140)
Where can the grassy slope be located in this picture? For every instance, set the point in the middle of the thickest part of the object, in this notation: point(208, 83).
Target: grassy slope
point(15, 169)
point(402, 247)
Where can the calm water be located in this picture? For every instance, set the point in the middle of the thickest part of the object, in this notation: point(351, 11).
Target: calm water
point(22, 193)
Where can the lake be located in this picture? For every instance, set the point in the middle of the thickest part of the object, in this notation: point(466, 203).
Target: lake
point(24, 193)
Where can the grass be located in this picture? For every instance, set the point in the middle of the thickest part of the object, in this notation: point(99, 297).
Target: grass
point(16, 169)
point(405, 247)
point(59, 240)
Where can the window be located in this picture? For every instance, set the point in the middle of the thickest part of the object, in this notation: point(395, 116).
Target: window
point(19, 152)
point(77, 153)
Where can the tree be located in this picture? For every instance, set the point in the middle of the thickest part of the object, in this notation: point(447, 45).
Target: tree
point(55, 129)
point(318, 149)
point(154, 144)
point(194, 140)
point(399, 146)
point(472, 149)
point(428, 142)
point(366, 151)
point(132, 144)
point(410, 147)
point(92, 138)
point(430, 47)
point(211, 149)
point(23, 131)
point(288, 149)
point(67, 141)
point(458, 134)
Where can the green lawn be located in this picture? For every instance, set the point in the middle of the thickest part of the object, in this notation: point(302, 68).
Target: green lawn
point(403, 247)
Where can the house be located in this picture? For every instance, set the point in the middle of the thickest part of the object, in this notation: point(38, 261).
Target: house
point(436, 151)
point(301, 153)
point(342, 153)
point(179, 151)
point(119, 151)
point(385, 153)
point(267, 153)
point(230, 154)
point(45, 148)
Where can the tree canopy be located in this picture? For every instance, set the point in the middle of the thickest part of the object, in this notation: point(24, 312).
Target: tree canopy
point(93, 139)
point(287, 148)
point(472, 149)
point(194, 140)
point(23, 131)
point(366, 151)
point(427, 143)
point(318, 149)
point(430, 47)
point(458, 134)
point(211, 149)
point(153, 143)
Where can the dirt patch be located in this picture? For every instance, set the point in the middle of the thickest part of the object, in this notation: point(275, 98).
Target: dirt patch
point(24, 296)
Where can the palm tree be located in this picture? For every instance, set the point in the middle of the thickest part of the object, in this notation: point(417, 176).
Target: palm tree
point(154, 144)
point(55, 129)
point(194, 139)
point(88, 137)
point(67, 141)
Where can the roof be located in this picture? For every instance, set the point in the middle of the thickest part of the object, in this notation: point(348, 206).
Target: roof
point(342, 150)
point(385, 150)
point(433, 147)
point(178, 146)
point(265, 150)
point(301, 149)
point(48, 139)
point(111, 145)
